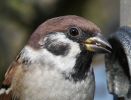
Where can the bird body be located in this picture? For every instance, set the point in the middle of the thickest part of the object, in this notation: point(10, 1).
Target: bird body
point(56, 62)
point(50, 85)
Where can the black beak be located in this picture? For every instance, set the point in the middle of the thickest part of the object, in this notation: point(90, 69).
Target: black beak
point(98, 44)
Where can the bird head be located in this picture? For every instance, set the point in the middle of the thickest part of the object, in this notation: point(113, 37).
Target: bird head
point(68, 43)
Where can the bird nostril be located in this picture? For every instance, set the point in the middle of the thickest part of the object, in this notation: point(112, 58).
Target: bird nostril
point(98, 44)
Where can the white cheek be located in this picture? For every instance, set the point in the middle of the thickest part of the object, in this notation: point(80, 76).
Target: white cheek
point(64, 63)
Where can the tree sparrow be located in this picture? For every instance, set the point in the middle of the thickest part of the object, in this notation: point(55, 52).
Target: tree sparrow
point(56, 62)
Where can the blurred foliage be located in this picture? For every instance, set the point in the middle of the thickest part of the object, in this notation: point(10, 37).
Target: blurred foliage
point(19, 18)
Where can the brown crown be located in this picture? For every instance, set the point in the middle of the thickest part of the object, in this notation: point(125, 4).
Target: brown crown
point(60, 24)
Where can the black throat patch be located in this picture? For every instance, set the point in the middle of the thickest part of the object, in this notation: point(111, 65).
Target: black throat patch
point(81, 67)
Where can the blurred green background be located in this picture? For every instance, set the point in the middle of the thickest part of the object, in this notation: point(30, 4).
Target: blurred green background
point(19, 18)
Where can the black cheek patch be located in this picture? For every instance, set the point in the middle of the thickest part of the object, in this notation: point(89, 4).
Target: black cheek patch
point(57, 48)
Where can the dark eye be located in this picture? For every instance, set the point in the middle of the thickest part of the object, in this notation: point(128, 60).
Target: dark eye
point(74, 31)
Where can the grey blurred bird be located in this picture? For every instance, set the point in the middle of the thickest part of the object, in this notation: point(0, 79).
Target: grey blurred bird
point(56, 62)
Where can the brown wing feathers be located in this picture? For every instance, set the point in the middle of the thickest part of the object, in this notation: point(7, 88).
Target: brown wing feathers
point(5, 92)
point(7, 83)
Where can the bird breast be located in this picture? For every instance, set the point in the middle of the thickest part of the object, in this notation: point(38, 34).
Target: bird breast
point(45, 84)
